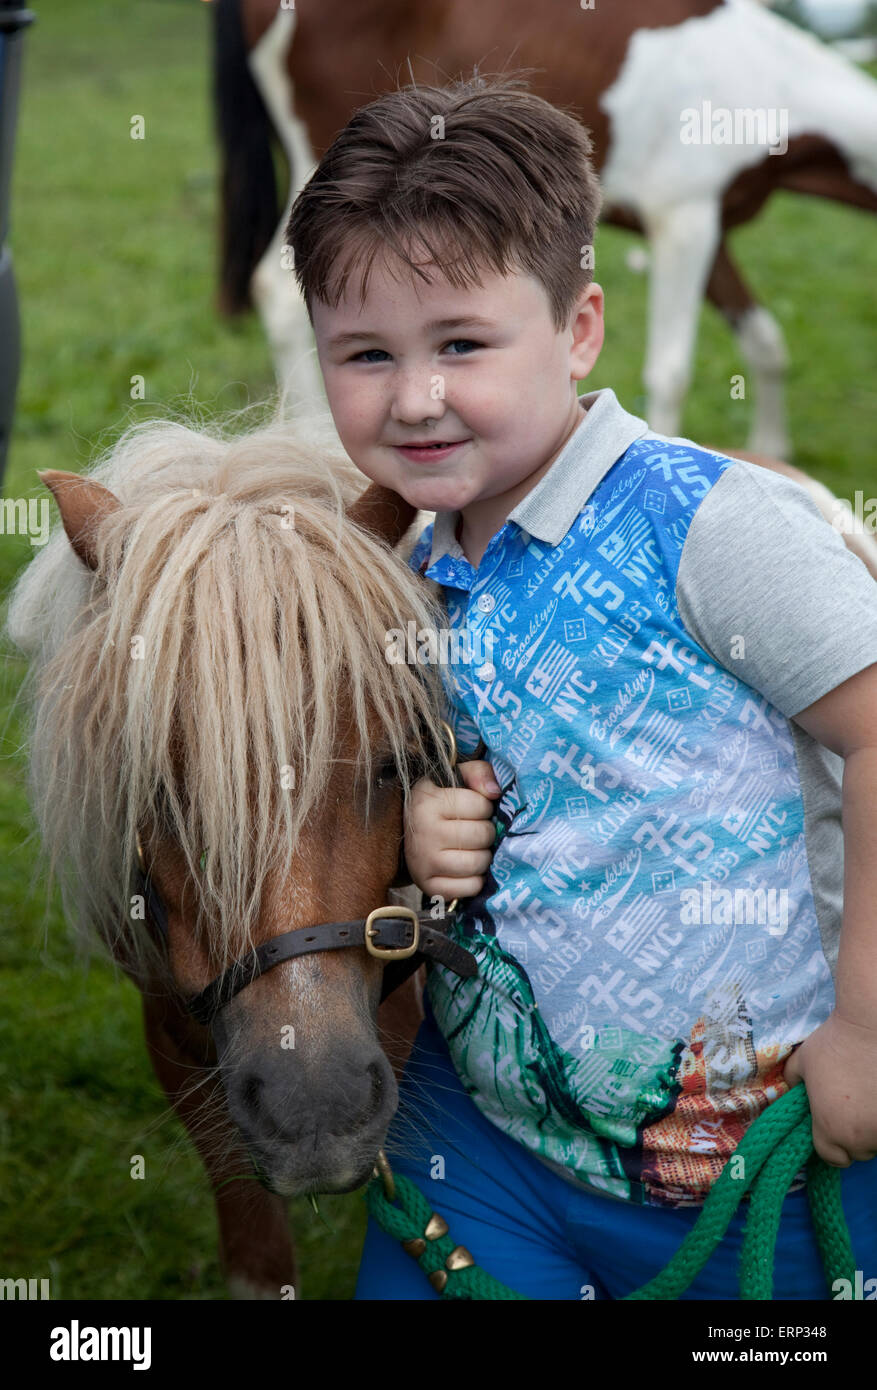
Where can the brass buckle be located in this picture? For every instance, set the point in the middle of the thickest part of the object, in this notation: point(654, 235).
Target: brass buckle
point(391, 952)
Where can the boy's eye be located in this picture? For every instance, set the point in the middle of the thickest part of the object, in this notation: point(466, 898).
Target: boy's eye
point(376, 354)
point(361, 356)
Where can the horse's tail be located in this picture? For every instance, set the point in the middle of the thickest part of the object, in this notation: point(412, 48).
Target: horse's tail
point(249, 210)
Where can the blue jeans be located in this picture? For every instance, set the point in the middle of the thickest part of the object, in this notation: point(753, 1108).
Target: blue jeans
point(549, 1240)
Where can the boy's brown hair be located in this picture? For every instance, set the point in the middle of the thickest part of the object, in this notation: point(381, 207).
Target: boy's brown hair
point(478, 173)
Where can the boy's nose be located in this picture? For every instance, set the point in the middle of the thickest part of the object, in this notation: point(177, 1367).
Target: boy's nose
point(418, 399)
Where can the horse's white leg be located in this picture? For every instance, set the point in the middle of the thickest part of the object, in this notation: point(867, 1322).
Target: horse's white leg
point(684, 240)
point(764, 350)
point(274, 288)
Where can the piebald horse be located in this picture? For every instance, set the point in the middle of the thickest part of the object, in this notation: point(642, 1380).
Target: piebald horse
point(698, 110)
point(209, 687)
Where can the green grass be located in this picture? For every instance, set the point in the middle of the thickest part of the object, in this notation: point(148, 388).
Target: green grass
point(115, 250)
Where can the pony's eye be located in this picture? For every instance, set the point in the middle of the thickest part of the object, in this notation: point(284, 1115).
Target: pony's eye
point(386, 774)
point(202, 862)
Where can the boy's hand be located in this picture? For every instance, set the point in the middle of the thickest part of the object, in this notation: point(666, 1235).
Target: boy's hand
point(838, 1064)
point(448, 833)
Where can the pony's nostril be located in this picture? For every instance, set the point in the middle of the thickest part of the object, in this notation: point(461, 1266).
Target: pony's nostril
point(251, 1093)
point(371, 1091)
point(377, 1088)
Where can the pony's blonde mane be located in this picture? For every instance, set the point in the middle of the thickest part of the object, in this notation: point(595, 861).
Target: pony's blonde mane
point(233, 604)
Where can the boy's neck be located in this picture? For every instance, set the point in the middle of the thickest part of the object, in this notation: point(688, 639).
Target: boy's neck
point(479, 522)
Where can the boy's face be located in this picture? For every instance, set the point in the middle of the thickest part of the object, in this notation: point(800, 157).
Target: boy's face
point(501, 392)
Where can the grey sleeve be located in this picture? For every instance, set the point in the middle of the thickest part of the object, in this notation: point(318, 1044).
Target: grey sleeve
point(761, 563)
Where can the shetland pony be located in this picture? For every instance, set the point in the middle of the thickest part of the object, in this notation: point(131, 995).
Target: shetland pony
point(208, 678)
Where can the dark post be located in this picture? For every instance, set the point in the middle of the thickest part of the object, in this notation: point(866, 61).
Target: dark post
point(13, 20)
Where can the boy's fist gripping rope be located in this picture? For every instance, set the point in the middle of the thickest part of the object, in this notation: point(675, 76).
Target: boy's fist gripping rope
point(449, 831)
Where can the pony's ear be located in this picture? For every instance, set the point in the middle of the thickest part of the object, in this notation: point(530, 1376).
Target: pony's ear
point(83, 504)
point(383, 512)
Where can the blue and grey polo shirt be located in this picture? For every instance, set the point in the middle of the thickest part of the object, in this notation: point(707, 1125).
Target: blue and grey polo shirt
point(659, 925)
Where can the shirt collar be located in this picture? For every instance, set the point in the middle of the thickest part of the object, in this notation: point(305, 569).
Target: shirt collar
point(550, 508)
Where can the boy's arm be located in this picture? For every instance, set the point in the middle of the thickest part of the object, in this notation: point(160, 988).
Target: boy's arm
point(845, 720)
point(838, 1061)
point(768, 588)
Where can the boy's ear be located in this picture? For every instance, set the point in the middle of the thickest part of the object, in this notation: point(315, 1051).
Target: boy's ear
point(83, 504)
point(383, 512)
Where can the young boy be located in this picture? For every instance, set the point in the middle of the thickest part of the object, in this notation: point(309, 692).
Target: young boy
point(673, 669)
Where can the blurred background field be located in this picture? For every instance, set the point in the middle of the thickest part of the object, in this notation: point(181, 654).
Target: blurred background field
point(114, 243)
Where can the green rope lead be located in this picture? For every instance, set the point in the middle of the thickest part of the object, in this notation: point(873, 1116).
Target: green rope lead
point(765, 1208)
point(409, 1221)
point(832, 1231)
point(772, 1150)
point(767, 1134)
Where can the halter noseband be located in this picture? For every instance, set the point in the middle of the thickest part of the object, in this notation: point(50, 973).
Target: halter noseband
point(397, 936)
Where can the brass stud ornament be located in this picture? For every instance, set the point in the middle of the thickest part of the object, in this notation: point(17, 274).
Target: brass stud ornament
point(459, 1258)
point(436, 1227)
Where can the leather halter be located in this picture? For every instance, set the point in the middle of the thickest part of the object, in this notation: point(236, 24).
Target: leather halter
point(398, 936)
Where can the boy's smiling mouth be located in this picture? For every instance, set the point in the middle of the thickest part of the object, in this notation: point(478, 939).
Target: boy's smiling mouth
point(429, 453)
